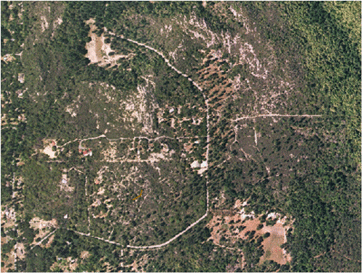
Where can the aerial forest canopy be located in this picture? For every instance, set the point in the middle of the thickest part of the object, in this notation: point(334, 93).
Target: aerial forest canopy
point(181, 136)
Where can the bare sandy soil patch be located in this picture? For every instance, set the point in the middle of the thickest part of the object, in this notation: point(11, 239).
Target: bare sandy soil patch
point(17, 253)
point(50, 241)
point(5, 239)
point(20, 251)
point(64, 184)
point(44, 23)
point(43, 227)
point(8, 218)
point(84, 255)
point(136, 107)
point(227, 226)
point(98, 50)
point(10, 261)
point(7, 58)
point(95, 45)
point(138, 265)
point(48, 148)
point(272, 244)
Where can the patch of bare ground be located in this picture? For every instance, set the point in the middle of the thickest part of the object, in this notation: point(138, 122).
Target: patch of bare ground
point(272, 244)
point(65, 264)
point(138, 265)
point(94, 46)
point(188, 147)
point(227, 226)
point(5, 239)
point(20, 251)
point(108, 267)
point(8, 217)
point(99, 51)
point(9, 264)
point(8, 58)
point(136, 108)
point(50, 241)
point(48, 148)
point(64, 184)
point(111, 155)
point(44, 23)
point(42, 227)
point(172, 116)
point(16, 253)
point(84, 255)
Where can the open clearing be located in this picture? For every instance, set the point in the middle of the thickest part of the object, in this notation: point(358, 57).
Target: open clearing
point(230, 225)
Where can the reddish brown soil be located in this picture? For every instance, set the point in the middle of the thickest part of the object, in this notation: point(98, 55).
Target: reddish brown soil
point(229, 224)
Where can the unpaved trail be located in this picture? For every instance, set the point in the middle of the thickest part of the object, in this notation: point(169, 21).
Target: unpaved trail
point(207, 154)
point(173, 238)
point(144, 247)
point(124, 138)
point(95, 237)
point(86, 196)
point(38, 243)
point(207, 141)
point(207, 146)
point(65, 144)
point(276, 115)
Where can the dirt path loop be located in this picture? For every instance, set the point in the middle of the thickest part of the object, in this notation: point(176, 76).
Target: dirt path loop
point(207, 154)
point(207, 146)
point(207, 141)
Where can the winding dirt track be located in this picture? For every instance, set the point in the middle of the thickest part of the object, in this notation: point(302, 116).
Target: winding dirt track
point(207, 146)
point(207, 153)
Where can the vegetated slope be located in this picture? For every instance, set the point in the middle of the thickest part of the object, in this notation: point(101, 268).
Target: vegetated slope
point(251, 59)
point(329, 53)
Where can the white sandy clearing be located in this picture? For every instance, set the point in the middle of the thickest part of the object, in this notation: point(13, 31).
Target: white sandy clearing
point(44, 23)
point(229, 226)
point(64, 184)
point(8, 58)
point(8, 217)
point(98, 50)
point(94, 46)
point(48, 149)
point(84, 254)
point(136, 107)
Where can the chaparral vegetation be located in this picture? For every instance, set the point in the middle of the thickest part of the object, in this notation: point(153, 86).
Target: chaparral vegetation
point(180, 136)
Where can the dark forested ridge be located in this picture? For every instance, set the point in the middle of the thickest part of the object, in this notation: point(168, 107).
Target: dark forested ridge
point(315, 46)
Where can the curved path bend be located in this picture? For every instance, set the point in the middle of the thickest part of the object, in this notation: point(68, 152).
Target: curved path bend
point(207, 142)
point(207, 154)
point(207, 146)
